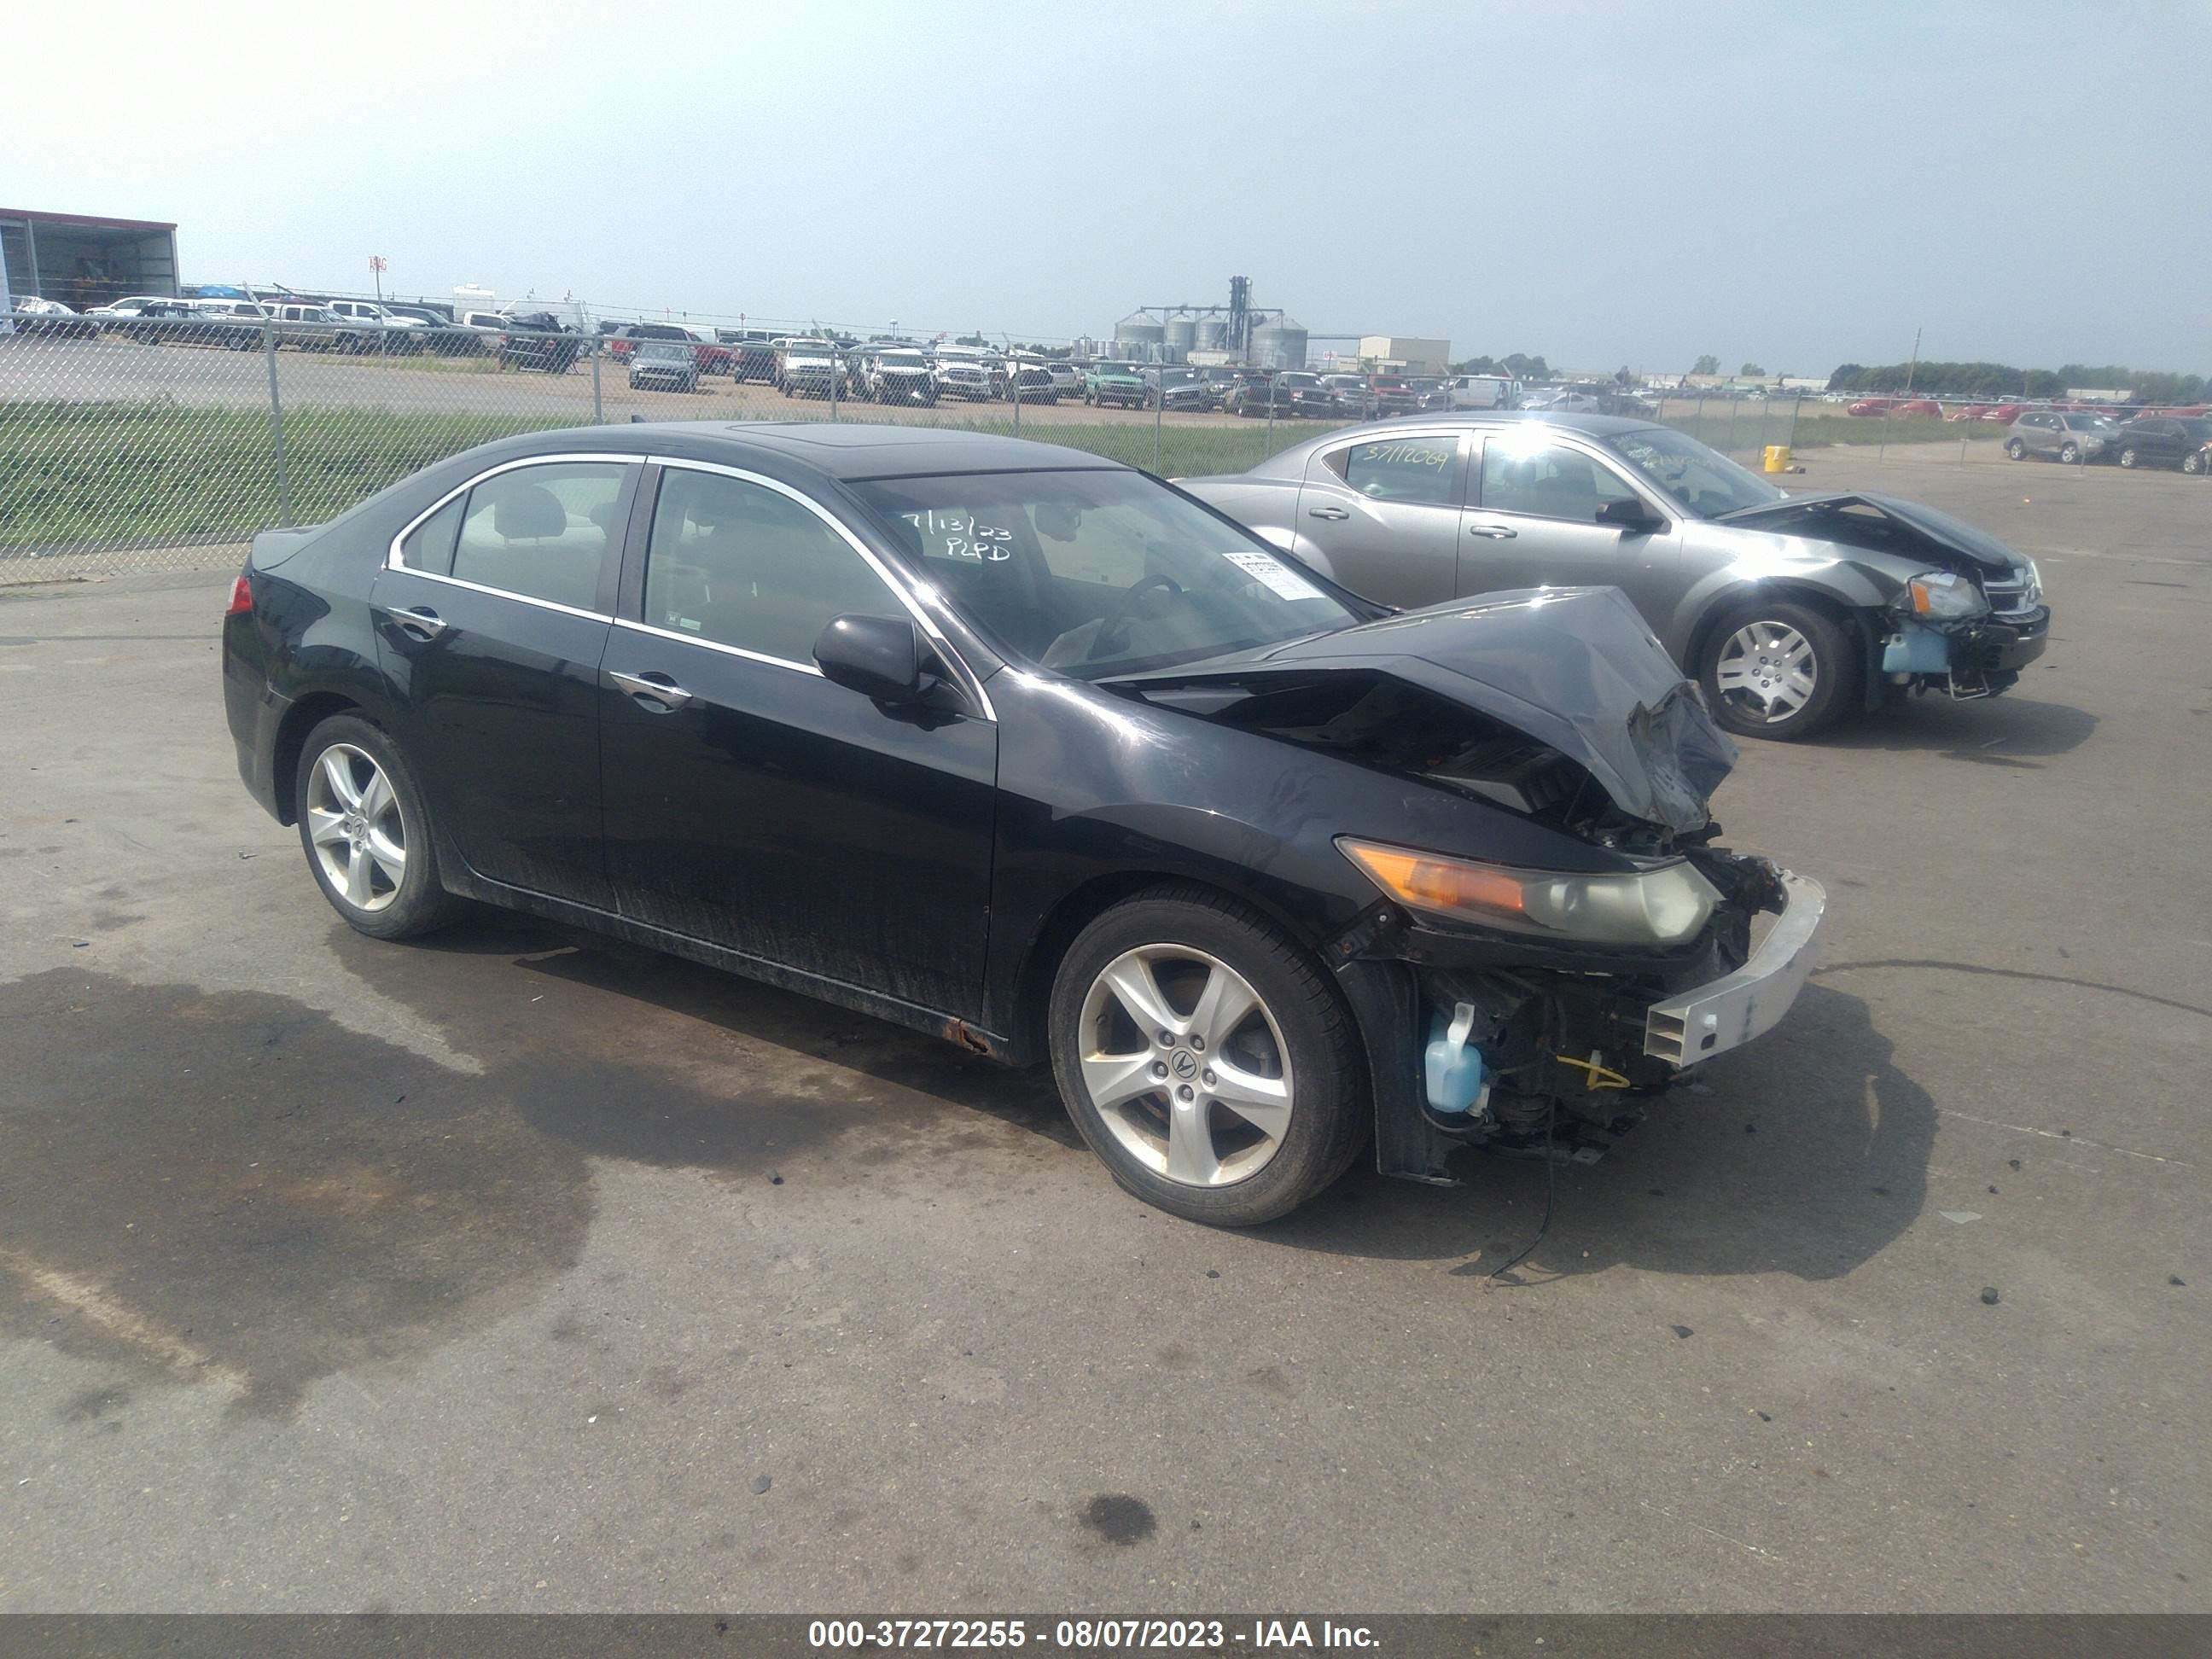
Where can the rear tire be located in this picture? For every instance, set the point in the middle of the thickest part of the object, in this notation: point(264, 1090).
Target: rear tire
point(2069, 454)
point(1778, 670)
point(366, 829)
point(2193, 462)
point(2016, 449)
point(1247, 1015)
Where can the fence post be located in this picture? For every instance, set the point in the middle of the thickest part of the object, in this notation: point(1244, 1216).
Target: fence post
point(1271, 427)
point(836, 373)
point(1796, 408)
point(1159, 415)
point(1758, 448)
point(1965, 425)
point(1882, 448)
point(599, 414)
point(276, 423)
point(1014, 392)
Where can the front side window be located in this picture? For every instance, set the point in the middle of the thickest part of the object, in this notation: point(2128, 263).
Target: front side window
point(742, 565)
point(1097, 573)
point(1547, 481)
point(1404, 470)
point(542, 531)
point(1700, 480)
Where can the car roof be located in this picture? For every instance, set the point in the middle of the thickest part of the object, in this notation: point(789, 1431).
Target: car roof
point(828, 450)
point(1292, 462)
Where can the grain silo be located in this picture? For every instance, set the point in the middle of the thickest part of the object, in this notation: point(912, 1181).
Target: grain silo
point(1280, 342)
point(1140, 336)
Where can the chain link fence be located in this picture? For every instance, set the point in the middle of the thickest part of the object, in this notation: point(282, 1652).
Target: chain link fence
point(164, 442)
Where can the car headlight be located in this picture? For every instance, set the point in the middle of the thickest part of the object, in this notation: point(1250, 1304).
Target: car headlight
point(1664, 905)
point(2034, 585)
point(2091, 445)
point(1941, 596)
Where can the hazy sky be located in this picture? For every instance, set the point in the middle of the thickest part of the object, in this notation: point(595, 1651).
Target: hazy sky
point(1603, 183)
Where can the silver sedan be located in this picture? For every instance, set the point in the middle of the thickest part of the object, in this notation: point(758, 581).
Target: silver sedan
point(1789, 610)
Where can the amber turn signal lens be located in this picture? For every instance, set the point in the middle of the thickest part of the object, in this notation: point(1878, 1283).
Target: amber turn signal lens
point(1428, 884)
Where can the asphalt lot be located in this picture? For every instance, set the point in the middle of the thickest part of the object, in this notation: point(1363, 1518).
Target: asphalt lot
point(502, 1272)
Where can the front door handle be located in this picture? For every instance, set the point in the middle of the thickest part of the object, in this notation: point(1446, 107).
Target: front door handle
point(1328, 513)
point(1496, 533)
point(419, 621)
point(656, 686)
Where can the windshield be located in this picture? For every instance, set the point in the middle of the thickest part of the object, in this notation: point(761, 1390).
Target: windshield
point(2089, 422)
point(663, 350)
point(1299, 380)
point(2197, 431)
point(1701, 480)
point(900, 360)
point(1098, 573)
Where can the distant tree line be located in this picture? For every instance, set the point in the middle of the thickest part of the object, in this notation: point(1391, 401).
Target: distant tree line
point(2001, 379)
point(1515, 366)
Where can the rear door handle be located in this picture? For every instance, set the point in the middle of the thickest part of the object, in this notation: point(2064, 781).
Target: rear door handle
point(419, 621)
point(1328, 513)
point(1496, 533)
point(656, 686)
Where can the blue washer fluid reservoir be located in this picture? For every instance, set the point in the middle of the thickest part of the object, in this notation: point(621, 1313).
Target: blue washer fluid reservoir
point(1452, 1066)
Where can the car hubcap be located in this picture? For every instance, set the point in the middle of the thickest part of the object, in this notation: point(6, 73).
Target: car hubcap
point(353, 822)
point(1768, 670)
point(1186, 1066)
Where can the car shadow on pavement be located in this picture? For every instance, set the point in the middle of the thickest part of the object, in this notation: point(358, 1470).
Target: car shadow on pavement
point(792, 1042)
point(2003, 731)
point(1808, 1156)
point(1804, 1153)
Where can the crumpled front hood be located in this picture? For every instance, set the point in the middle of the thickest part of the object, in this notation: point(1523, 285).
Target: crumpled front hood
point(1575, 668)
point(1831, 518)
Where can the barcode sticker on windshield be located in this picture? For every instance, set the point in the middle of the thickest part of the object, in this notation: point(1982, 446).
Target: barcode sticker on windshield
point(1280, 580)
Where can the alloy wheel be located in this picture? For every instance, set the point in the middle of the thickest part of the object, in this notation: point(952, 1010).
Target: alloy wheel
point(1186, 1066)
point(1768, 671)
point(358, 832)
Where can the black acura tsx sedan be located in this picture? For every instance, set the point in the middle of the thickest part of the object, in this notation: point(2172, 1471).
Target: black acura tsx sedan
point(1034, 751)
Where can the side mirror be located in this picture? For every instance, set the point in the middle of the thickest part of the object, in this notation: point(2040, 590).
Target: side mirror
point(879, 657)
point(1631, 515)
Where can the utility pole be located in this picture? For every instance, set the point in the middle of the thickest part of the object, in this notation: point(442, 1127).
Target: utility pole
point(383, 323)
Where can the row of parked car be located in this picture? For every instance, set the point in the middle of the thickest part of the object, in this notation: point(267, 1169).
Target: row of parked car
point(2181, 438)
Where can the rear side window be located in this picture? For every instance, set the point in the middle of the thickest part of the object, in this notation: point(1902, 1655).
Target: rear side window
point(1406, 470)
point(742, 565)
point(429, 545)
point(542, 531)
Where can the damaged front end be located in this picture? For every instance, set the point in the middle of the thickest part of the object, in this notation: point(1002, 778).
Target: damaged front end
point(1531, 1012)
point(1964, 623)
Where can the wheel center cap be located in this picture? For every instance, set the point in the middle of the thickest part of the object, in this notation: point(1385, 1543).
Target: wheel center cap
point(1184, 1065)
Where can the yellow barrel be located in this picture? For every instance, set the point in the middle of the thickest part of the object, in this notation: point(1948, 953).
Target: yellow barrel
point(1777, 458)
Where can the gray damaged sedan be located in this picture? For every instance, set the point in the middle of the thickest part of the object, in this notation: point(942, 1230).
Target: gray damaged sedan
point(1788, 609)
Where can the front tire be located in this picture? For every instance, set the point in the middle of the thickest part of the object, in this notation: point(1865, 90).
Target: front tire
point(365, 827)
point(2016, 449)
point(2069, 454)
point(2193, 462)
point(1773, 669)
point(1205, 1058)
point(2130, 456)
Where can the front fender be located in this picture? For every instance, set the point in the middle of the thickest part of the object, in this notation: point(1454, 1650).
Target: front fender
point(1840, 578)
